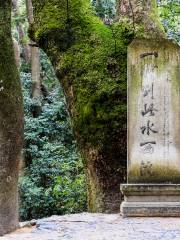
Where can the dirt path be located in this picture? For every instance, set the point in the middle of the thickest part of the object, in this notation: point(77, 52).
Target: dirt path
point(99, 227)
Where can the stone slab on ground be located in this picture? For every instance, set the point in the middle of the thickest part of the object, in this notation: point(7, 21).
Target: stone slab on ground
point(88, 226)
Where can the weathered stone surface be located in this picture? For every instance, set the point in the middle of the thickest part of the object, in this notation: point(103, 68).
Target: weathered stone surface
point(153, 130)
point(100, 227)
point(150, 209)
point(151, 200)
point(150, 190)
point(153, 112)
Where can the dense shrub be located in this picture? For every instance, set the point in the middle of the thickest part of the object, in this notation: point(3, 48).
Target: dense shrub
point(53, 181)
point(169, 13)
point(104, 8)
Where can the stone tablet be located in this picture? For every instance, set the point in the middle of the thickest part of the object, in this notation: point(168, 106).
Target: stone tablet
point(153, 187)
point(153, 112)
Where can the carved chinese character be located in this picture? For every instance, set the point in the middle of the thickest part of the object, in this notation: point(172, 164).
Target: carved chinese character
point(148, 129)
point(145, 143)
point(148, 147)
point(146, 168)
point(147, 90)
point(151, 110)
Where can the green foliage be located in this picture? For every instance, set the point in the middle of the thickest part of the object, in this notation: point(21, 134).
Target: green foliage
point(99, 80)
point(93, 57)
point(90, 59)
point(20, 17)
point(53, 181)
point(104, 8)
point(169, 11)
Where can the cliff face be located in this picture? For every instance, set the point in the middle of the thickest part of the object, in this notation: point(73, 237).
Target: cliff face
point(90, 61)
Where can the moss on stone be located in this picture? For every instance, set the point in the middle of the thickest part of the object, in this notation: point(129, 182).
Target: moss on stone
point(143, 16)
point(156, 174)
point(94, 63)
point(90, 60)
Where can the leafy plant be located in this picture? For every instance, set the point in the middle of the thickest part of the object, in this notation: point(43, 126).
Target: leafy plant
point(104, 8)
point(169, 11)
point(53, 181)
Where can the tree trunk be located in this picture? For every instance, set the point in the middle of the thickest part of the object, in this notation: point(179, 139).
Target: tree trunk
point(142, 16)
point(17, 53)
point(14, 6)
point(15, 43)
point(35, 67)
point(90, 62)
point(26, 54)
point(25, 46)
point(11, 115)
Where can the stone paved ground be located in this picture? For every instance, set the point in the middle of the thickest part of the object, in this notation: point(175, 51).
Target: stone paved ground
point(100, 227)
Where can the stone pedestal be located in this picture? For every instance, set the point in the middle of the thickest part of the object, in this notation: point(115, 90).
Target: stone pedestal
point(153, 130)
point(149, 200)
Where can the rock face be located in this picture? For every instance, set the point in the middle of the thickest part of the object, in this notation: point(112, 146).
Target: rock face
point(88, 226)
point(90, 62)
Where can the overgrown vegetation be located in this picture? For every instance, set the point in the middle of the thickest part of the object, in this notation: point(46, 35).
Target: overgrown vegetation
point(169, 11)
point(89, 58)
point(53, 181)
point(105, 9)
